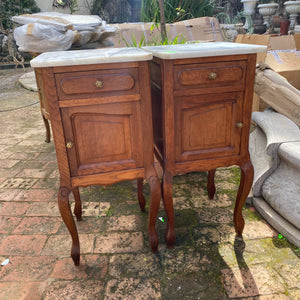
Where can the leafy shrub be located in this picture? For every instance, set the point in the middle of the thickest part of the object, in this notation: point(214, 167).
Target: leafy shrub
point(9, 8)
point(112, 11)
point(176, 10)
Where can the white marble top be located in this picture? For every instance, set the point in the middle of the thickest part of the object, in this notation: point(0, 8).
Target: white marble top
point(203, 50)
point(87, 57)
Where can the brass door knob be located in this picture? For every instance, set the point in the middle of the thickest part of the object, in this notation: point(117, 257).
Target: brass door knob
point(99, 84)
point(69, 145)
point(212, 76)
point(239, 125)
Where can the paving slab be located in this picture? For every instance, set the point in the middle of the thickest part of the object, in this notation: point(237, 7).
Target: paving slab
point(207, 261)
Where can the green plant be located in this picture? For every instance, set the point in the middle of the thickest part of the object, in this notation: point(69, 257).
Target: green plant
point(108, 212)
point(112, 11)
point(9, 8)
point(72, 4)
point(176, 10)
point(154, 39)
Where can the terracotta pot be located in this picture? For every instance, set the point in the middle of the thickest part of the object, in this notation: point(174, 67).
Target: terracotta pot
point(276, 21)
point(284, 26)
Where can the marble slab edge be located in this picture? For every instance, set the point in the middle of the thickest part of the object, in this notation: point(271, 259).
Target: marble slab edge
point(209, 49)
point(91, 56)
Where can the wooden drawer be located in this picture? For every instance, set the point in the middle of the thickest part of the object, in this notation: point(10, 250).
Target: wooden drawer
point(94, 84)
point(195, 76)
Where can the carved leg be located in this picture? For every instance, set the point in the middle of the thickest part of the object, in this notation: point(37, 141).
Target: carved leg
point(155, 190)
point(48, 134)
point(243, 192)
point(65, 211)
point(77, 207)
point(168, 203)
point(141, 197)
point(211, 188)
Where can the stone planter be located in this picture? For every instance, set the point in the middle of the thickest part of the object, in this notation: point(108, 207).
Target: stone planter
point(229, 32)
point(249, 8)
point(267, 11)
point(275, 155)
point(292, 8)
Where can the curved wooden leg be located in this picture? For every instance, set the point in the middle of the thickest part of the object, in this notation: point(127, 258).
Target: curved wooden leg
point(65, 211)
point(141, 198)
point(211, 188)
point(155, 190)
point(77, 207)
point(47, 126)
point(243, 192)
point(168, 203)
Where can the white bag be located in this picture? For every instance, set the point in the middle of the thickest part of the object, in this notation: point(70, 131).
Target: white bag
point(35, 37)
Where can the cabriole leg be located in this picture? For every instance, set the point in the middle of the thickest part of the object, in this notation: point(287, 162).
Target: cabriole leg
point(141, 198)
point(78, 206)
point(155, 190)
point(243, 192)
point(168, 204)
point(211, 188)
point(65, 211)
point(47, 126)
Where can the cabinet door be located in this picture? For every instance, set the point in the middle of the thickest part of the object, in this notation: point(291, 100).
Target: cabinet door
point(208, 126)
point(103, 138)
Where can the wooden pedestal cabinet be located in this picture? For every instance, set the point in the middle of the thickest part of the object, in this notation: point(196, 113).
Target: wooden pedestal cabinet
point(102, 129)
point(201, 116)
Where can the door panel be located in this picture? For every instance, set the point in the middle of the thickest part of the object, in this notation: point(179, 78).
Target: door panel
point(105, 137)
point(205, 126)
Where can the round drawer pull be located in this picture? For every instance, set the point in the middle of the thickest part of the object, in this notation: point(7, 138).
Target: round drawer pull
point(99, 84)
point(212, 76)
point(69, 145)
point(239, 125)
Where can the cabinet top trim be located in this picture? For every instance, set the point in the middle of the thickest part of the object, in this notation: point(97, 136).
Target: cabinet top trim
point(203, 50)
point(92, 56)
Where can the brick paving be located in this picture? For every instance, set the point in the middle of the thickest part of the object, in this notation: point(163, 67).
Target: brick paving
point(207, 262)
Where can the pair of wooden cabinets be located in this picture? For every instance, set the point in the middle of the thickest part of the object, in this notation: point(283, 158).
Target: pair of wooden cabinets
point(103, 127)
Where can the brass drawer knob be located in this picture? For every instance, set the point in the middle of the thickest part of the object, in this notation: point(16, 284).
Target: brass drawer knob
point(99, 84)
point(239, 125)
point(212, 76)
point(69, 145)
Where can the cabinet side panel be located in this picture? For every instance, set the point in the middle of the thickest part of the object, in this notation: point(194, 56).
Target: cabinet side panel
point(56, 125)
point(156, 102)
point(247, 105)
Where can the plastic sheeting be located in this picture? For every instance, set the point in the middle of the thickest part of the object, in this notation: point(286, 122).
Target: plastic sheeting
point(43, 32)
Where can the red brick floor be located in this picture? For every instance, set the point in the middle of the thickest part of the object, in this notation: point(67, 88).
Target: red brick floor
point(207, 262)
